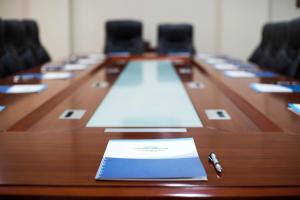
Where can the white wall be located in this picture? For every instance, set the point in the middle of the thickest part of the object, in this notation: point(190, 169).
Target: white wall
point(240, 26)
point(284, 10)
point(53, 17)
point(221, 26)
point(90, 16)
point(16, 9)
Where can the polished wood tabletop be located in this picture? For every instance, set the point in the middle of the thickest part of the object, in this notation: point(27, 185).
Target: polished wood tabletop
point(21, 106)
point(208, 97)
point(42, 156)
point(56, 163)
point(271, 105)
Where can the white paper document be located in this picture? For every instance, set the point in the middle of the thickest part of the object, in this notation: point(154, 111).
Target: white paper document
point(57, 75)
point(45, 76)
point(24, 88)
point(151, 159)
point(271, 88)
point(74, 67)
point(239, 74)
point(88, 61)
point(225, 66)
point(215, 61)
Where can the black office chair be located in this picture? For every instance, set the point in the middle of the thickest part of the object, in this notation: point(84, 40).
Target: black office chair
point(124, 36)
point(294, 50)
point(279, 37)
point(2, 50)
point(9, 59)
point(175, 39)
point(289, 58)
point(15, 38)
point(33, 41)
point(2, 72)
point(265, 42)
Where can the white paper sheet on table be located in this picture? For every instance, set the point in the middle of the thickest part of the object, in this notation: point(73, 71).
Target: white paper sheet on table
point(74, 67)
point(239, 74)
point(225, 66)
point(24, 88)
point(270, 88)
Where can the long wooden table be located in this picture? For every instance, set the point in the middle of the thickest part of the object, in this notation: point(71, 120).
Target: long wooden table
point(271, 105)
point(44, 156)
point(20, 107)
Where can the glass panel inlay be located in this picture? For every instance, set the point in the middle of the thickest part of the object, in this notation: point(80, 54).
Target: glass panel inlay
point(147, 94)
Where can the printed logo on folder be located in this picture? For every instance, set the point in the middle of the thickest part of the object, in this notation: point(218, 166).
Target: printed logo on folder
point(151, 159)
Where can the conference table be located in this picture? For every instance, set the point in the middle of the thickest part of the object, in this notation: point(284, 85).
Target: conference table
point(43, 155)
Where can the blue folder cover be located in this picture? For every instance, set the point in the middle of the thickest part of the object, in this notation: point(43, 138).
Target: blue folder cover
point(154, 159)
point(294, 107)
point(2, 108)
point(4, 88)
point(271, 88)
point(246, 65)
point(265, 74)
point(22, 88)
point(49, 75)
point(28, 76)
point(295, 88)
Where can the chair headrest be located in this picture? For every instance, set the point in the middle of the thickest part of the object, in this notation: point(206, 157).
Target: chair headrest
point(15, 33)
point(32, 31)
point(123, 29)
point(176, 33)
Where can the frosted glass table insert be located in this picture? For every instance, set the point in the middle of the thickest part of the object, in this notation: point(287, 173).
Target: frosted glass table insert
point(146, 94)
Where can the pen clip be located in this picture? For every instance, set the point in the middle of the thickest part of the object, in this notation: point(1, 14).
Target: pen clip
point(210, 158)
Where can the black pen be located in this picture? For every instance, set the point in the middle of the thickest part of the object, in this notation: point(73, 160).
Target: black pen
point(213, 158)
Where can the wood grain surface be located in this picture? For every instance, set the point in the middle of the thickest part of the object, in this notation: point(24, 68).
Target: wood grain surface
point(44, 157)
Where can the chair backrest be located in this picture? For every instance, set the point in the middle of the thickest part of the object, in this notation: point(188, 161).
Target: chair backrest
point(283, 61)
point(294, 37)
point(2, 50)
point(264, 43)
point(293, 50)
point(175, 38)
point(279, 37)
point(15, 35)
point(9, 59)
point(284, 51)
point(33, 41)
point(124, 36)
